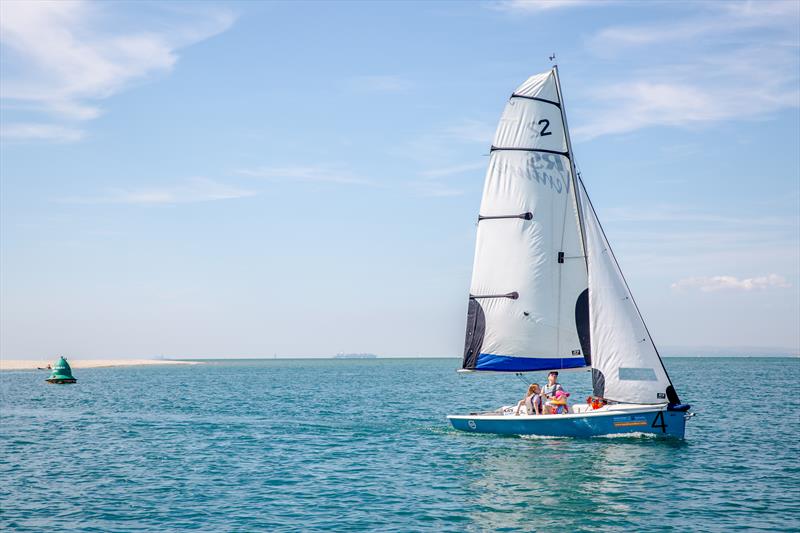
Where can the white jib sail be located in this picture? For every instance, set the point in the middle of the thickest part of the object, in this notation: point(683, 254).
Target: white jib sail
point(529, 269)
point(626, 365)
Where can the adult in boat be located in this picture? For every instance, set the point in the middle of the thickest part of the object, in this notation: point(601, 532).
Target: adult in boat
point(549, 391)
point(532, 401)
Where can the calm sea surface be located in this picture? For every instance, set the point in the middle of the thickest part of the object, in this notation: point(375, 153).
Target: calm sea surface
point(364, 445)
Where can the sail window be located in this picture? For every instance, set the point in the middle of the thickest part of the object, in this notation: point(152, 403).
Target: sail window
point(637, 374)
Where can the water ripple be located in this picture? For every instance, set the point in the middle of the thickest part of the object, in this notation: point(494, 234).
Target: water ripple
point(363, 445)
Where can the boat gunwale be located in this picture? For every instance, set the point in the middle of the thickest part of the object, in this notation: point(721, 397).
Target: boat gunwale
point(567, 416)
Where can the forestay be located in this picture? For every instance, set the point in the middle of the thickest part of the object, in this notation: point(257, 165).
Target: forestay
point(528, 299)
point(626, 364)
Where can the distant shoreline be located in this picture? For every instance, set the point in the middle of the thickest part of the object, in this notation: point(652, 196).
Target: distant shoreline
point(34, 364)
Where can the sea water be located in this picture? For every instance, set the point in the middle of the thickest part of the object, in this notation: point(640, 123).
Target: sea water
point(364, 445)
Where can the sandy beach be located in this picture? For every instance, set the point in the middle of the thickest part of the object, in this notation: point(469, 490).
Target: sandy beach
point(33, 364)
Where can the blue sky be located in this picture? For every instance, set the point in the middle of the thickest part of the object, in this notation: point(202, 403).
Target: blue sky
point(244, 179)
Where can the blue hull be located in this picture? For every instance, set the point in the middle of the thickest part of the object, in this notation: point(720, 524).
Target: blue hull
point(660, 421)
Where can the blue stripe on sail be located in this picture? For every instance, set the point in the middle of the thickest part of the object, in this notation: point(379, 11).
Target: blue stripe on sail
point(505, 363)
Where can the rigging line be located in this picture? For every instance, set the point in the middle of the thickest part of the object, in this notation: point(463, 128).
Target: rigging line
point(573, 170)
point(619, 269)
point(524, 380)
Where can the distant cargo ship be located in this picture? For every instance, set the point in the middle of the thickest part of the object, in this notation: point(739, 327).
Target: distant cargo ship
point(355, 356)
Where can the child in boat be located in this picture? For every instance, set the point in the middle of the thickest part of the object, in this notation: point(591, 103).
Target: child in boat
point(532, 401)
point(596, 402)
point(558, 405)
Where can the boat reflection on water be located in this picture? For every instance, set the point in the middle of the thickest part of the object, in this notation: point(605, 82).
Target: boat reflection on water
point(541, 483)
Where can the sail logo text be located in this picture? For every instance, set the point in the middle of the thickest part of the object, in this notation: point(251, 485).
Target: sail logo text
point(542, 167)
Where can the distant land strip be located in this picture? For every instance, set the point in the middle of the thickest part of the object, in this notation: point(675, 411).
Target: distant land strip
point(33, 364)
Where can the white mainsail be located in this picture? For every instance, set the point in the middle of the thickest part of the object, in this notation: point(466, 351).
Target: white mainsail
point(626, 366)
point(528, 307)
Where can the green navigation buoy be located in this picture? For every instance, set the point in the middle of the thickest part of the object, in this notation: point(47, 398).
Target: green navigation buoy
point(62, 373)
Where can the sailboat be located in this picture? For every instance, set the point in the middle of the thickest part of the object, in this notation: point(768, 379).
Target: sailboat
point(547, 292)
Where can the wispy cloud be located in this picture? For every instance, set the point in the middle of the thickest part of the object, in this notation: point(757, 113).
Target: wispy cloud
point(191, 191)
point(447, 143)
point(681, 214)
point(438, 182)
point(721, 283)
point(435, 189)
point(470, 130)
point(719, 70)
point(723, 19)
point(447, 152)
point(307, 173)
point(684, 239)
point(538, 6)
point(22, 131)
point(62, 58)
point(639, 103)
point(454, 170)
point(379, 84)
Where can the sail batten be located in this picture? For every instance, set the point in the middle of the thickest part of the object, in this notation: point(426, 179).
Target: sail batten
point(545, 100)
point(541, 150)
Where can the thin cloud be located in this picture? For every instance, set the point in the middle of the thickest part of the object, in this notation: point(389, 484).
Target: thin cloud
point(62, 58)
point(539, 6)
point(724, 19)
point(435, 149)
point(39, 132)
point(447, 143)
point(681, 214)
point(679, 237)
point(435, 189)
point(737, 75)
point(640, 103)
point(311, 174)
point(192, 191)
point(379, 84)
point(434, 181)
point(453, 170)
point(722, 283)
point(470, 131)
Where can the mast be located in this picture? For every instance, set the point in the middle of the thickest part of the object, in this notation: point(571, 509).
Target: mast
point(574, 173)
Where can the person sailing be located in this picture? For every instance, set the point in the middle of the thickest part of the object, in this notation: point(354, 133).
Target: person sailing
point(549, 391)
point(532, 401)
